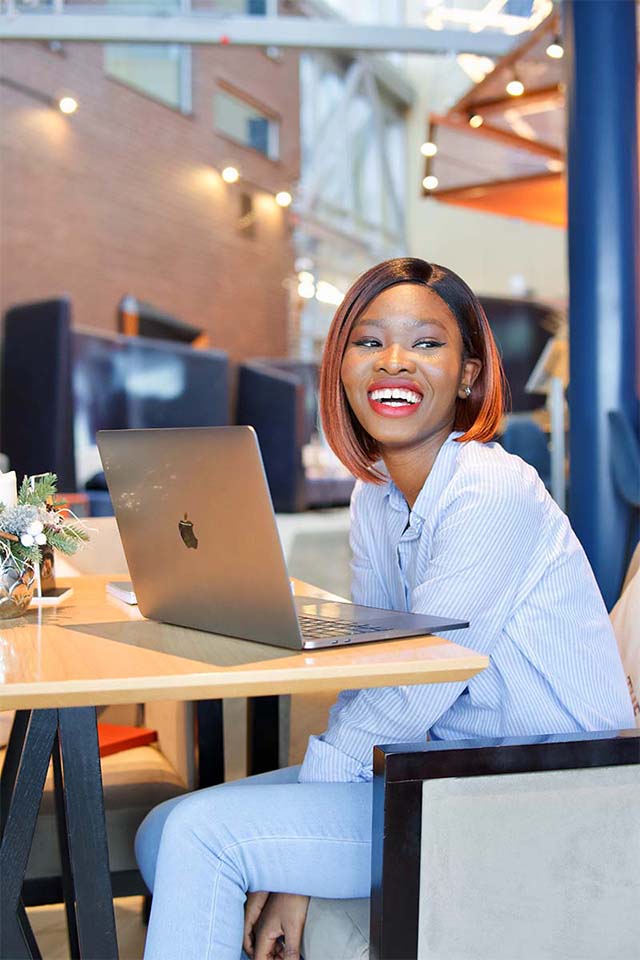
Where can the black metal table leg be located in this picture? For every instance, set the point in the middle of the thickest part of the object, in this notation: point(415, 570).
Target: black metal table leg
point(23, 781)
point(89, 856)
point(263, 734)
point(68, 890)
point(210, 740)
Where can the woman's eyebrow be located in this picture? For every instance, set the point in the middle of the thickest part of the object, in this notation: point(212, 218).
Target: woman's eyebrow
point(420, 322)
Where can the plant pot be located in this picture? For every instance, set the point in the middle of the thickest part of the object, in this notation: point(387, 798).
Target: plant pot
point(17, 583)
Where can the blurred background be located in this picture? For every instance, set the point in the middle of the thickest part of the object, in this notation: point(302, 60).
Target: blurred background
point(189, 187)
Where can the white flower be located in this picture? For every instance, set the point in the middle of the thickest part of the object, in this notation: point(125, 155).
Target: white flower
point(40, 539)
point(27, 540)
point(35, 528)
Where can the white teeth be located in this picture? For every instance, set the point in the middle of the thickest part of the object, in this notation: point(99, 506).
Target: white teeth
point(397, 393)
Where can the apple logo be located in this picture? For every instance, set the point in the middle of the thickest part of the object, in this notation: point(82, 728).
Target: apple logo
point(186, 532)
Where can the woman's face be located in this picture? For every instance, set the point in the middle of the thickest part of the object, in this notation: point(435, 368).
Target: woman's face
point(403, 370)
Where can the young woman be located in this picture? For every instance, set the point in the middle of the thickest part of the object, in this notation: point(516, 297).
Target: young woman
point(442, 522)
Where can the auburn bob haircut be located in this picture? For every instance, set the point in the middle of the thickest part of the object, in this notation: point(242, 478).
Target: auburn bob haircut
point(478, 417)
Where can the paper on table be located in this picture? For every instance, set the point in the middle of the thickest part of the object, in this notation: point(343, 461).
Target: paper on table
point(8, 489)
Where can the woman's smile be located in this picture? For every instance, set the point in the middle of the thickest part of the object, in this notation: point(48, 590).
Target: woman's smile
point(395, 397)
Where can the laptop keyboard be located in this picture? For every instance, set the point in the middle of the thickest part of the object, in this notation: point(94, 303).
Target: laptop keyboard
point(316, 628)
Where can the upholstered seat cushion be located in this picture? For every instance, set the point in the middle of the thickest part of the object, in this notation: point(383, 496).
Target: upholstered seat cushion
point(338, 929)
point(134, 781)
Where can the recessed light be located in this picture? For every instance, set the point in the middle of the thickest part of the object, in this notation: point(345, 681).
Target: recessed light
point(67, 105)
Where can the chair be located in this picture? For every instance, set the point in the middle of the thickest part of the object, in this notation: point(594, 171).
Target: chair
point(495, 850)
point(625, 618)
point(279, 399)
point(527, 440)
point(515, 827)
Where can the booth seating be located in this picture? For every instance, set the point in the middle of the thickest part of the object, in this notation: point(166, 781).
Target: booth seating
point(495, 850)
point(60, 385)
point(134, 781)
point(279, 399)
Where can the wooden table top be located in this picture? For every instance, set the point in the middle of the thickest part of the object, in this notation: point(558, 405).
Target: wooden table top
point(95, 650)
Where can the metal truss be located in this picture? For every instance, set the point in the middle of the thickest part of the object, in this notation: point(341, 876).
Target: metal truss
point(79, 23)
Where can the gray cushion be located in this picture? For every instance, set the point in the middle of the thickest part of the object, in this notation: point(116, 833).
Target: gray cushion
point(134, 781)
point(336, 929)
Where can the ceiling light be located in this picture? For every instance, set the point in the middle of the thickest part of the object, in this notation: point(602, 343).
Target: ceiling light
point(68, 104)
point(430, 182)
point(554, 165)
point(555, 50)
point(306, 290)
point(428, 149)
point(306, 277)
point(475, 121)
point(515, 88)
point(230, 174)
point(283, 198)
point(327, 293)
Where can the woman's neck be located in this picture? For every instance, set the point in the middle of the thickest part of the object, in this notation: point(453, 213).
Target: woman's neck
point(410, 467)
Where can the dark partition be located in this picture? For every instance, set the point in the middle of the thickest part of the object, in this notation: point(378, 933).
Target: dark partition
point(521, 329)
point(120, 382)
point(36, 410)
point(60, 386)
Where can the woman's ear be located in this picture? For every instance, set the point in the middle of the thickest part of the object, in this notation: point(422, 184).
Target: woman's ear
point(471, 368)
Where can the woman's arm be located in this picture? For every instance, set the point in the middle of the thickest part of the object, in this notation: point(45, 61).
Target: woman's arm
point(481, 548)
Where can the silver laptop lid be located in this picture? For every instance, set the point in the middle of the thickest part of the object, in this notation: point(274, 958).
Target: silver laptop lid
point(191, 504)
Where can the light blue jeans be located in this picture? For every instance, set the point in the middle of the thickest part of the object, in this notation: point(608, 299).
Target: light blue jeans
point(201, 853)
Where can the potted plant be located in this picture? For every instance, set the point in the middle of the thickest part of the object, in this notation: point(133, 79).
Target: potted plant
point(31, 519)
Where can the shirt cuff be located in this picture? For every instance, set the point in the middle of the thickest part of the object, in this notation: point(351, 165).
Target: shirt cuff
point(325, 763)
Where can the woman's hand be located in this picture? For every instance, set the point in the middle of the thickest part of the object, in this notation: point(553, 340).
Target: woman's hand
point(252, 910)
point(283, 915)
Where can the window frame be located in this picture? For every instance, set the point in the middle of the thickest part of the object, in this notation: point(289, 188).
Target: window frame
point(185, 71)
point(274, 118)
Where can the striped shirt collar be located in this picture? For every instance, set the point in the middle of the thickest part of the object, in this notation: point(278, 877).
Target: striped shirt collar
point(434, 484)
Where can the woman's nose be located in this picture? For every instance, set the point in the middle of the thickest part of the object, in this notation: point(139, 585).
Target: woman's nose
point(395, 359)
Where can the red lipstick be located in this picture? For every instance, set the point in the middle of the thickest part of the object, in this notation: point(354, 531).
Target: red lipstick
point(388, 405)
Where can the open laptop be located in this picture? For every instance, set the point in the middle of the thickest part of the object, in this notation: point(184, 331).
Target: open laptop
point(195, 516)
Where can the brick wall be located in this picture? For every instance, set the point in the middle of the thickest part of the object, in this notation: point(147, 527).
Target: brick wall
point(122, 196)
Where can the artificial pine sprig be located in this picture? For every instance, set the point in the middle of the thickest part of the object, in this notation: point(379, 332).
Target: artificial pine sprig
point(36, 490)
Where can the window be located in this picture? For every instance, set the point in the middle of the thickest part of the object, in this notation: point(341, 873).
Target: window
point(246, 124)
point(246, 217)
point(161, 70)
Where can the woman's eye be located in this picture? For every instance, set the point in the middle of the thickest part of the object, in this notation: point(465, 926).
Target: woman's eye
point(367, 342)
point(429, 343)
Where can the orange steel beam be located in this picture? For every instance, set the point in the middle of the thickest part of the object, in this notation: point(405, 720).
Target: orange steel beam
point(551, 25)
point(553, 96)
point(476, 188)
point(489, 132)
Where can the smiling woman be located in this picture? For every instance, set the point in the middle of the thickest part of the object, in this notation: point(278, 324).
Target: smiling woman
point(404, 323)
point(444, 522)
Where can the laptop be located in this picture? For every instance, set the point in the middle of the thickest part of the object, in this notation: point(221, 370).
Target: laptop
point(200, 537)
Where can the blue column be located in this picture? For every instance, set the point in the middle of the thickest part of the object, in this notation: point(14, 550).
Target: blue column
point(600, 56)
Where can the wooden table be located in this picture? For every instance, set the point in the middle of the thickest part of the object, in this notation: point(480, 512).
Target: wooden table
point(57, 665)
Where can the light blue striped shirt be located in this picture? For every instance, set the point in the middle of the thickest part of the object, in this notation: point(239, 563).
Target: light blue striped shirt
point(484, 543)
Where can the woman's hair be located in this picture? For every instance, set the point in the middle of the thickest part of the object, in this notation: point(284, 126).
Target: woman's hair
point(478, 416)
